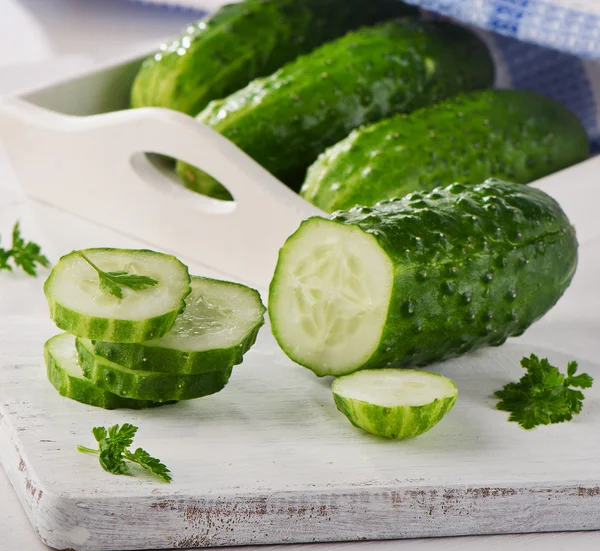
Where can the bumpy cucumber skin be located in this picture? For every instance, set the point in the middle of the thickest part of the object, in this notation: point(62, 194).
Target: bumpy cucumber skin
point(286, 120)
point(508, 134)
point(147, 385)
point(148, 357)
point(473, 265)
point(84, 391)
point(105, 329)
point(223, 52)
point(394, 422)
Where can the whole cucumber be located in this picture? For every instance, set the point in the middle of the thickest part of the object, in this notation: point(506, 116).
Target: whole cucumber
point(286, 120)
point(223, 52)
point(415, 280)
point(513, 134)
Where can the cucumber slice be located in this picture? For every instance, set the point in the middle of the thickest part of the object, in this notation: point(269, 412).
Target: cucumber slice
point(147, 385)
point(220, 323)
point(78, 304)
point(394, 403)
point(65, 375)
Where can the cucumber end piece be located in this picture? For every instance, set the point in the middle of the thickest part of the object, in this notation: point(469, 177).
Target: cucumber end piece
point(329, 298)
point(394, 403)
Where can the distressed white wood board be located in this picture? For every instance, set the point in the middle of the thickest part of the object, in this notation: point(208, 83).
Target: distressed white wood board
point(270, 460)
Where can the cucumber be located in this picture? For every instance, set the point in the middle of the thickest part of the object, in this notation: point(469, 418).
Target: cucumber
point(65, 375)
point(394, 403)
point(147, 385)
point(218, 326)
point(80, 306)
point(415, 280)
point(284, 121)
point(509, 134)
point(221, 53)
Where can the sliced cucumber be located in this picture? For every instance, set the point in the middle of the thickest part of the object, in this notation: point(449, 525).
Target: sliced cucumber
point(394, 403)
point(147, 385)
point(220, 323)
point(79, 305)
point(65, 375)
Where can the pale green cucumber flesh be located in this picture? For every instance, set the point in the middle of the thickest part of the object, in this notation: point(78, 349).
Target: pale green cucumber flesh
point(147, 385)
point(394, 403)
point(329, 297)
point(80, 306)
point(218, 326)
point(65, 375)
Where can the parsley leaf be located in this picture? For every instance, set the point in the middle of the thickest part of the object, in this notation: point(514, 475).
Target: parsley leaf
point(111, 282)
point(25, 255)
point(154, 465)
point(112, 451)
point(543, 395)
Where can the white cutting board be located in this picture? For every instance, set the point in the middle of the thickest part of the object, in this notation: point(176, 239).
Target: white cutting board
point(270, 460)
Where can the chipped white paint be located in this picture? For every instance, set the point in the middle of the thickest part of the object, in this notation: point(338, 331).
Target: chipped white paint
point(270, 460)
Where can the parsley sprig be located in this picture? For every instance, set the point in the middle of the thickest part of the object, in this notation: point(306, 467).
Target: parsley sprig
point(111, 282)
point(24, 255)
point(113, 444)
point(543, 395)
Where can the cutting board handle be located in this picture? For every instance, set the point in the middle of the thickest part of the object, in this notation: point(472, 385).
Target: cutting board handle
point(96, 167)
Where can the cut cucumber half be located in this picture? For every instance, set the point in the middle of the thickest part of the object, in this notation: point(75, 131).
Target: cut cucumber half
point(147, 385)
point(65, 375)
point(394, 403)
point(79, 305)
point(414, 280)
point(220, 323)
point(329, 297)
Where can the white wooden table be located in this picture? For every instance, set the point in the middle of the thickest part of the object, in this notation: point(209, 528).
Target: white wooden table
point(63, 36)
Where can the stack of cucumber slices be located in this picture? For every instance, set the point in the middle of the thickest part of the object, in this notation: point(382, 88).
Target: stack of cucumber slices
point(140, 332)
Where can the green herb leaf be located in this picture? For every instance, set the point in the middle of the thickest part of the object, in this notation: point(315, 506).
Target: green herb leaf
point(543, 395)
point(111, 282)
point(25, 255)
point(154, 465)
point(112, 451)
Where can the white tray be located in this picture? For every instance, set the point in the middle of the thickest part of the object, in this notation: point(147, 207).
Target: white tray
point(75, 146)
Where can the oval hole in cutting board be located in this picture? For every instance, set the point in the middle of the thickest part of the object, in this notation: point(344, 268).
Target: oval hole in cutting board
point(158, 171)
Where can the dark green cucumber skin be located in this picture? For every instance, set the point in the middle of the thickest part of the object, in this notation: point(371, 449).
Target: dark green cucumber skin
point(508, 134)
point(286, 120)
point(120, 330)
point(146, 385)
point(473, 265)
point(148, 358)
point(86, 392)
point(390, 422)
point(223, 52)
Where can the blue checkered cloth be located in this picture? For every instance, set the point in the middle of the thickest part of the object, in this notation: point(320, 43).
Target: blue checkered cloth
point(548, 46)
